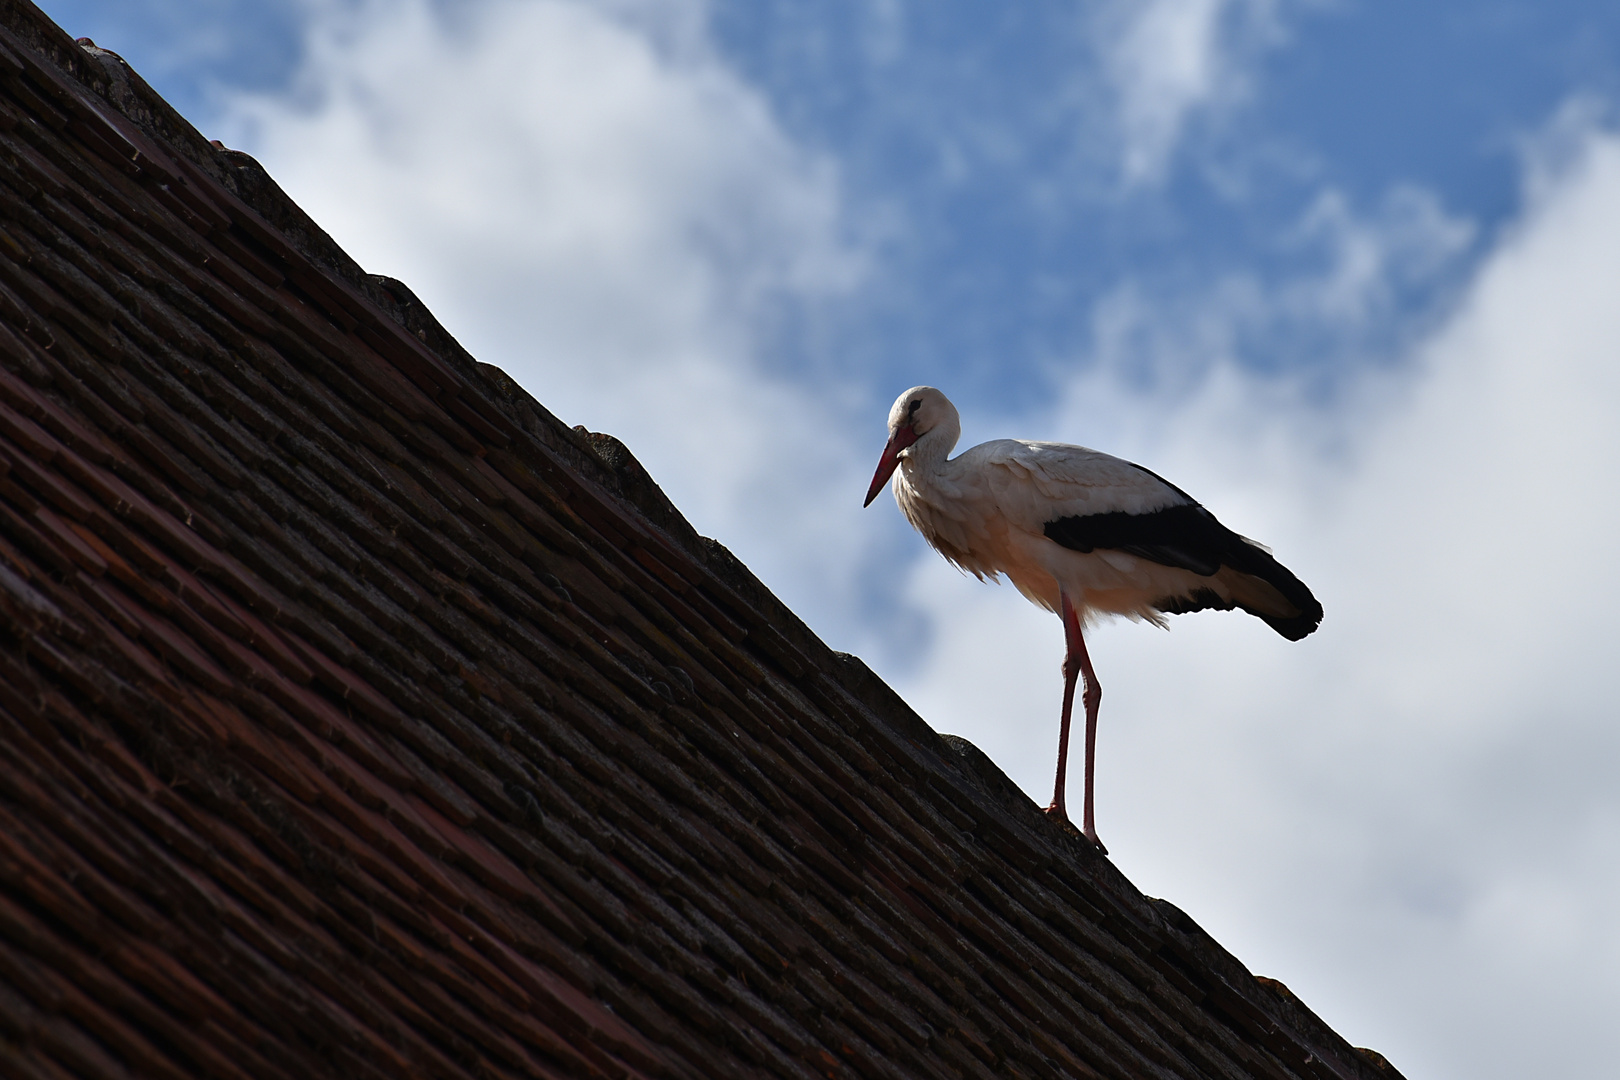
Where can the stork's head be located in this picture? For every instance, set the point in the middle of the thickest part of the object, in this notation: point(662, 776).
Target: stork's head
point(921, 415)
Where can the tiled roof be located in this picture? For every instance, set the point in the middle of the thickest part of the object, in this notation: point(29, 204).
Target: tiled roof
point(358, 718)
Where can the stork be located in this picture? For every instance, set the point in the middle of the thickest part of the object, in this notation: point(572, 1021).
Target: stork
point(1081, 534)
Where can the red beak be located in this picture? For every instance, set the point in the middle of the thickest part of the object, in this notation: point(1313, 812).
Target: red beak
point(890, 461)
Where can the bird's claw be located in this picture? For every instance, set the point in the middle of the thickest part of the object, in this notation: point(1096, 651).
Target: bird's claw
point(1057, 811)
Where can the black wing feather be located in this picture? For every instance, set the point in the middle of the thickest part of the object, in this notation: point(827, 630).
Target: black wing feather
point(1189, 538)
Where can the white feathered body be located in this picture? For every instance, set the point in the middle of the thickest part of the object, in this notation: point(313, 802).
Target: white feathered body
point(985, 511)
point(1060, 519)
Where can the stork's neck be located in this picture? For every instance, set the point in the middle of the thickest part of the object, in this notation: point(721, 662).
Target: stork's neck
point(926, 457)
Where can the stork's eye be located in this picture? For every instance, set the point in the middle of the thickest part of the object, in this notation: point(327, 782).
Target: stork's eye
point(915, 405)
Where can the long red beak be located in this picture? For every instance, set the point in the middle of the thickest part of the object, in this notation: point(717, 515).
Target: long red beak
point(890, 461)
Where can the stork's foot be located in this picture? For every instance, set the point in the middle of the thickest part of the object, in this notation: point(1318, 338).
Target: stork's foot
point(1056, 811)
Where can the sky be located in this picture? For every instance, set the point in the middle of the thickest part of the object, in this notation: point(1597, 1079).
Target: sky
point(1345, 271)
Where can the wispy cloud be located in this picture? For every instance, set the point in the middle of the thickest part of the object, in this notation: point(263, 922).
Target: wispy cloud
point(1167, 65)
point(1331, 311)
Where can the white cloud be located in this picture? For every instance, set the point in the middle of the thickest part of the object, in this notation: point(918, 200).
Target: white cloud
point(1342, 300)
point(1411, 816)
point(589, 198)
point(1167, 63)
point(1408, 239)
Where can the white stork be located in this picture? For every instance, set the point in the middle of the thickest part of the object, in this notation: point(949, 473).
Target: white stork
point(1081, 534)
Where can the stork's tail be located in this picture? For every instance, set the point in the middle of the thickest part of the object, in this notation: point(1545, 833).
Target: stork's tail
point(1246, 576)
point(1265, 588)
point(1186, 536)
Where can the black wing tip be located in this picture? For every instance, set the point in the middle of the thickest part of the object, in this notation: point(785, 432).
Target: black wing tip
point(1300, 626)
point(1248, 557)
point(1292, 627)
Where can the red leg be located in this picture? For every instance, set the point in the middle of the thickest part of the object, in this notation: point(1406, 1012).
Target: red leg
point(1077, 662)
point(1070, 671)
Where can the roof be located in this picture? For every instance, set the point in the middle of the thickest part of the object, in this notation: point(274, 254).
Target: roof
point(359, 718)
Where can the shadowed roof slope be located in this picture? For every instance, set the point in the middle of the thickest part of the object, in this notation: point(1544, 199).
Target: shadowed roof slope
point(360, 719)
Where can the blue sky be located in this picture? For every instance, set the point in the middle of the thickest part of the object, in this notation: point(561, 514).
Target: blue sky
point(982, 152)
point(1345, 271)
